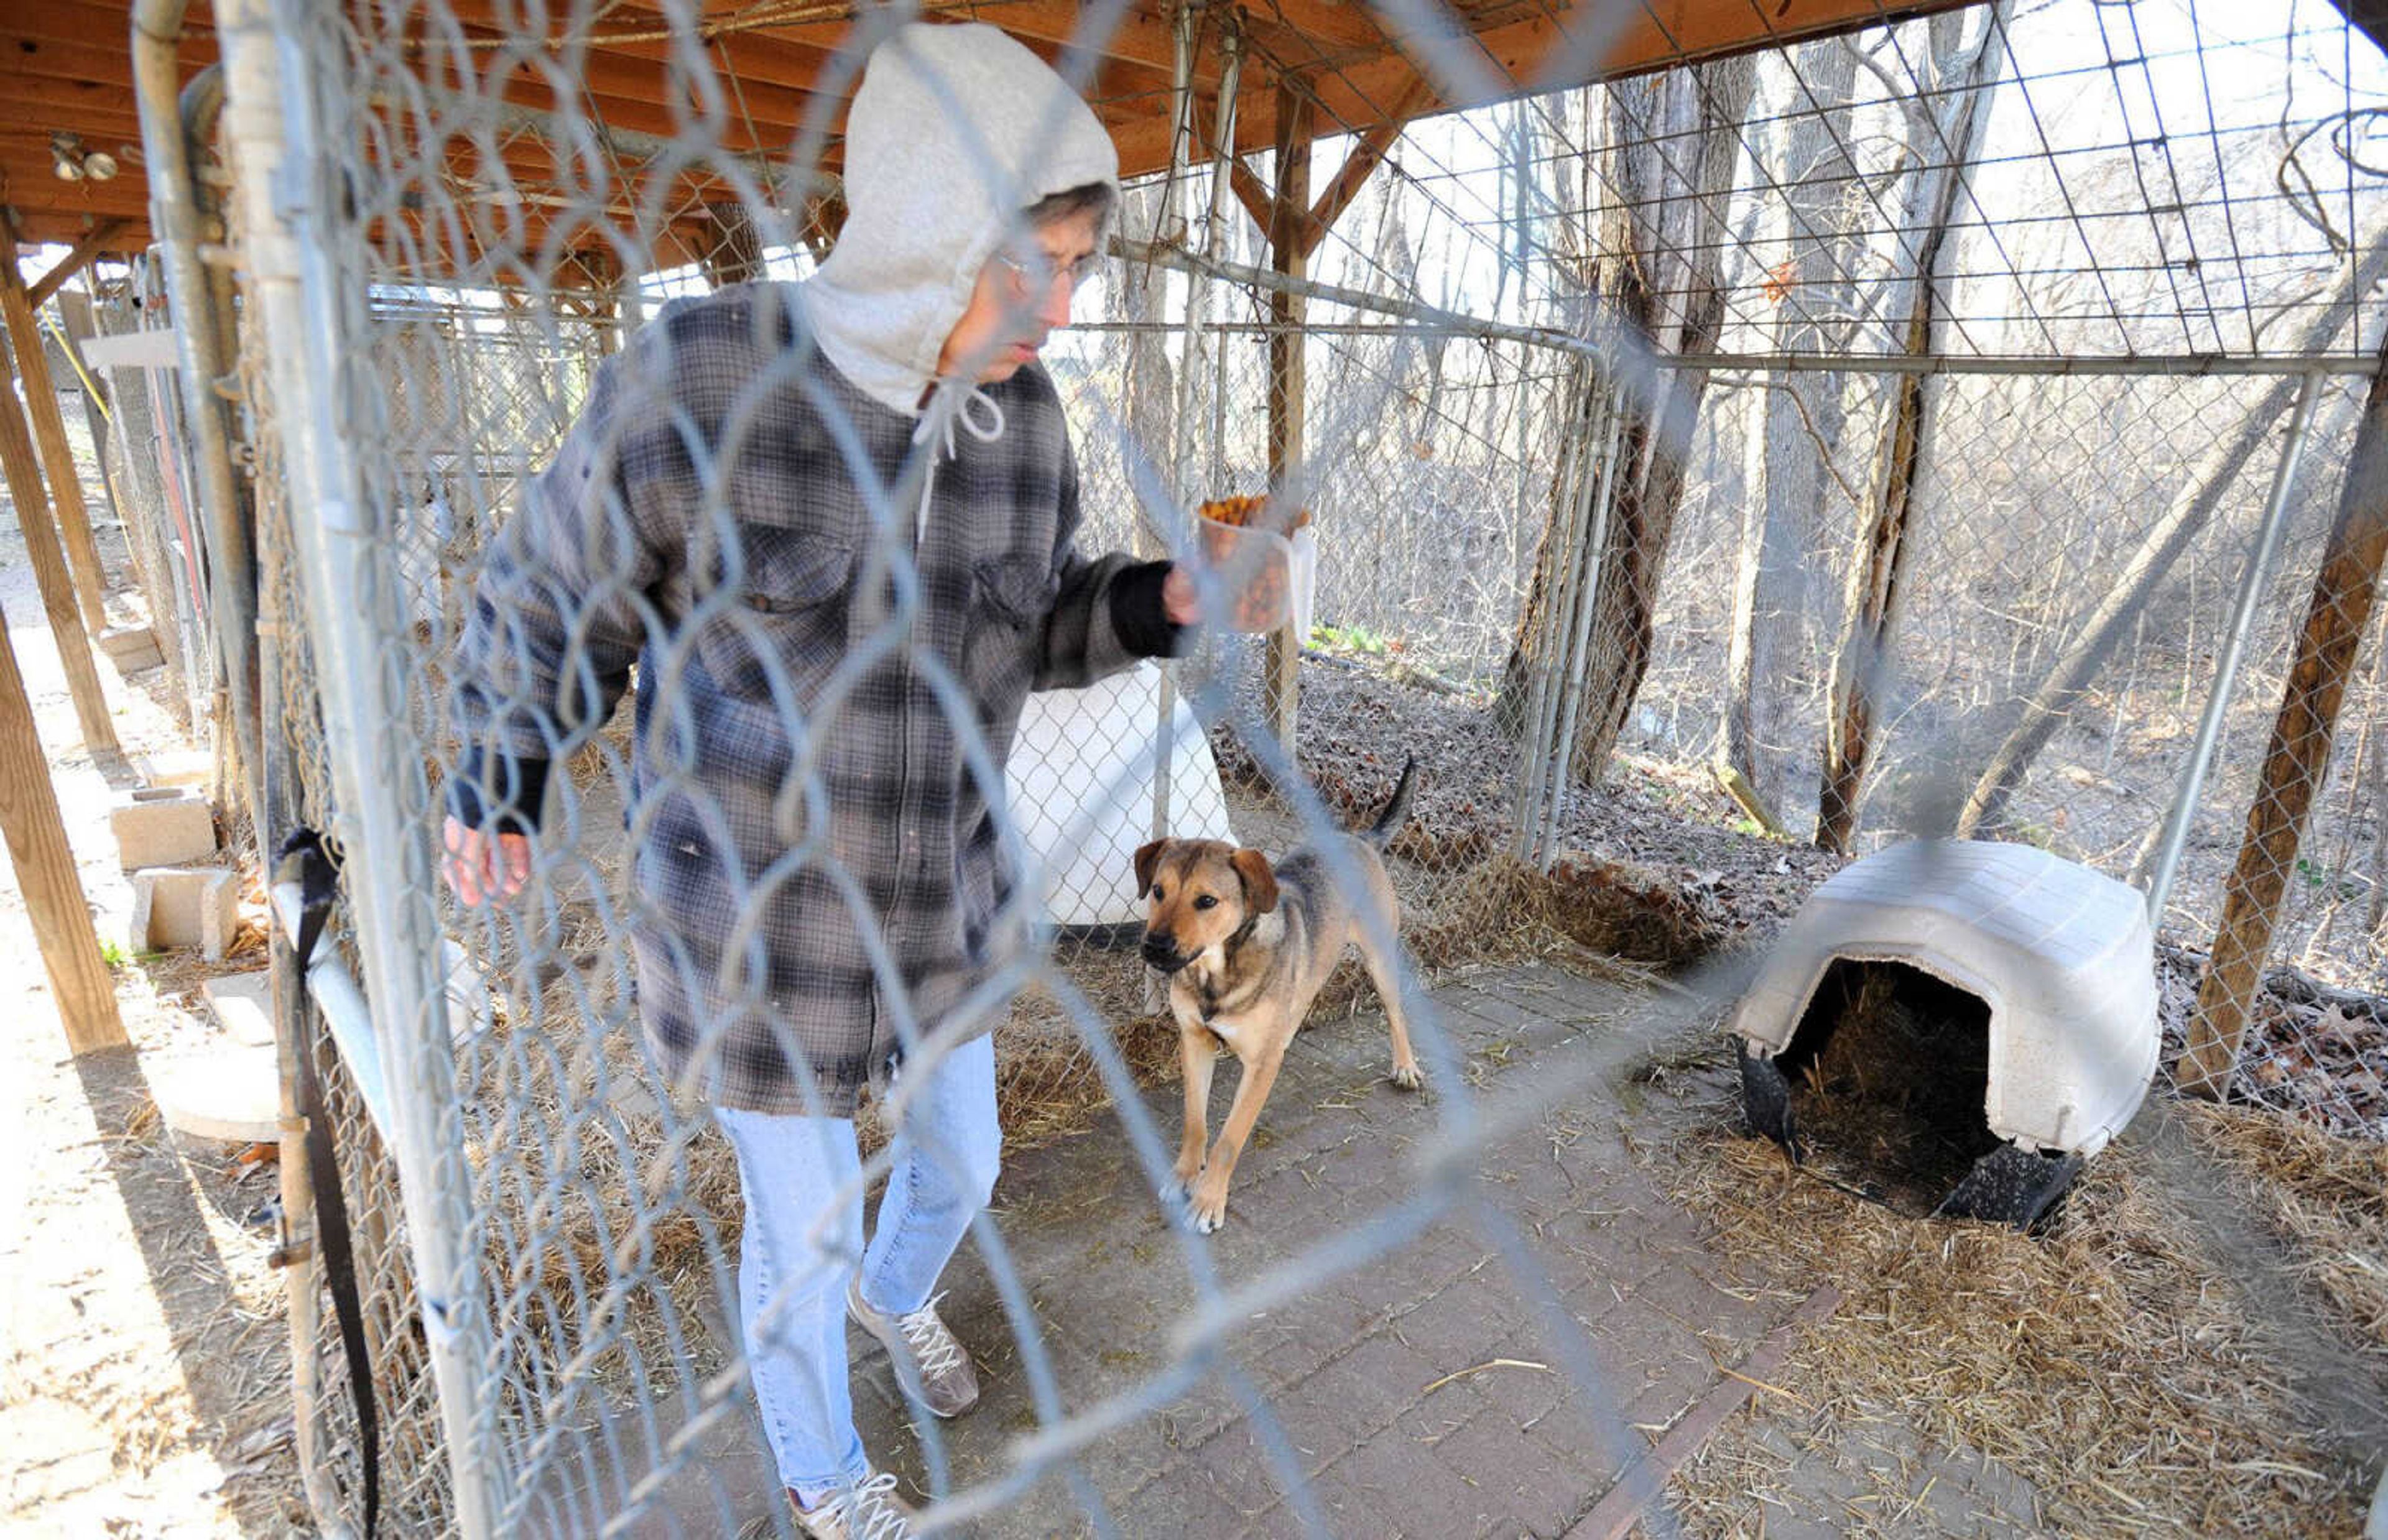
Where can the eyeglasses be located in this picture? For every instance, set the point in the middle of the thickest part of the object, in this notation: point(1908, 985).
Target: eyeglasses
point(1032, 273)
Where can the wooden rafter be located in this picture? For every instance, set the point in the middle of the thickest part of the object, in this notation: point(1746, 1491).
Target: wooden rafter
point(1365, 154)
point(78, 257)
point(66, 65)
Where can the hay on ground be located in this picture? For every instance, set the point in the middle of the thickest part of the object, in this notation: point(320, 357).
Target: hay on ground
point(2119, 1363)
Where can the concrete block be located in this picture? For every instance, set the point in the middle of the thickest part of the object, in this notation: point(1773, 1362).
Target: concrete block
point(176, 767)
point(230, 1094)
point(185, 906)
point(131, 648)
point(244, 1006)
point(161, 826)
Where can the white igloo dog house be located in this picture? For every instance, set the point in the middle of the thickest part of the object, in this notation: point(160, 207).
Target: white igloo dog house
point(1082, 778)
point(2062, 956)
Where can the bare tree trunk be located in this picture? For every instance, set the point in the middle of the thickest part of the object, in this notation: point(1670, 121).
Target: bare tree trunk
point(2344, 593)
point(1877, 565)
point(2192, 506)
point(1672, 229)
point(1676, 141)
point(1574, 276)
point(1797, 427)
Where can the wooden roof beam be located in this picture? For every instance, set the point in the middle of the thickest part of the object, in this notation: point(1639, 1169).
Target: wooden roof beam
point(1138, 38)
point(68, 28)
point(1661, 35)
point(1367, 154)
point(78, 257)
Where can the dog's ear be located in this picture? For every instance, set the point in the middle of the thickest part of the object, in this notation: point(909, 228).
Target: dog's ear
point(1259, 882)
point(1148, 856)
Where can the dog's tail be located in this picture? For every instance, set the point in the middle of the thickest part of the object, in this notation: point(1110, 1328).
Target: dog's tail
point(1395, 809)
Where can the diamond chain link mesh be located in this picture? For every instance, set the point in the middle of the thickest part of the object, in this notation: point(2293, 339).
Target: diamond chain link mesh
point(488, 287)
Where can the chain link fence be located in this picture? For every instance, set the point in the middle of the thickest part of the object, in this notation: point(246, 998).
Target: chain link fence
point(2069, 593)
point(472, 291)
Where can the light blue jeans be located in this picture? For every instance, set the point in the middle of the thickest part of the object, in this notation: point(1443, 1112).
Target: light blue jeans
point(802, 1239)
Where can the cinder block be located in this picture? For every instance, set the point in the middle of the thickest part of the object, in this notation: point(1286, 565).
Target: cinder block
point(244, 1006)
point(185, 906)
point(176, 767)
point(131, 648)
point(162, 825)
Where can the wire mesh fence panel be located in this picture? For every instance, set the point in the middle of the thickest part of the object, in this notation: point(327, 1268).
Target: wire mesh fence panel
point(737, 661)
point(144, 465)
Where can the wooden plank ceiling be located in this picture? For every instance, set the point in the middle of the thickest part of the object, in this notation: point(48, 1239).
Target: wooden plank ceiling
point(65, 68)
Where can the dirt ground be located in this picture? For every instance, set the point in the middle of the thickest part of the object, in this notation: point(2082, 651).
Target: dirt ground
point(143, 1359)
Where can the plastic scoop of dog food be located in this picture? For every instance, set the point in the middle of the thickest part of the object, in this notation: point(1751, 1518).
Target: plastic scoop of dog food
point(1252, 569)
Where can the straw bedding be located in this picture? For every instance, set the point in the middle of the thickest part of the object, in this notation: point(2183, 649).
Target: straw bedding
point(2147, 1364)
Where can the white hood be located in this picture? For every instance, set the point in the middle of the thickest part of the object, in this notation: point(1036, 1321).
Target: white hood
point(954, 129)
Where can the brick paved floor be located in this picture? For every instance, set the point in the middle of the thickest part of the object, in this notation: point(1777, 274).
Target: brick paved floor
point(1424, 1388)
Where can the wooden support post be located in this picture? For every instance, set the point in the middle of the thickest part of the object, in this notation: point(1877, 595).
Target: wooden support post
point(78, 258)
point(45, 871)
point(823, 219)
point(24, 477)
point(1287, 399)
point(75, 324)
point(598, 269)
point(735, 255)
point(2344, 593)
point(50, 429)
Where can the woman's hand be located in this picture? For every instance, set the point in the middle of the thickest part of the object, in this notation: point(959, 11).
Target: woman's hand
point(482, 867)
point(1258, 593)
point(1178, 600)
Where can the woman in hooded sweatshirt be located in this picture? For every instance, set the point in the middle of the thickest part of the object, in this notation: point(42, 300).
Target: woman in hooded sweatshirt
point(833, 523)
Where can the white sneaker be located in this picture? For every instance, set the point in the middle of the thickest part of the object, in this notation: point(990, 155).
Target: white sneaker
point(946, 1383)
point(868, 1510)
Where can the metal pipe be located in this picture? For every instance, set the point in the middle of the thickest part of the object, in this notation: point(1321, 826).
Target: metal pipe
point(1608, 345)
point(1199, 291)
point(309, 309)
point(2169, 366)
point(345, 1012)
point(1606, 341)
point(2234, 646)
point(1580, 655)
point(1214, 224)
point(1568, 619)
point(1459, 325)
point(1181, 149)
point(1534, 727)
point(174, 217)
point(1592, 406)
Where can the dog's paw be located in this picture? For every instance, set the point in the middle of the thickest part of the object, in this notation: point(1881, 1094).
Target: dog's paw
point(1177, 1193)
point(1409, 1076)
point(1206, 1210)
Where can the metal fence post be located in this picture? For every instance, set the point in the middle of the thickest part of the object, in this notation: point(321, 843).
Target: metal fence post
point(2234, 647)
point(273, 113)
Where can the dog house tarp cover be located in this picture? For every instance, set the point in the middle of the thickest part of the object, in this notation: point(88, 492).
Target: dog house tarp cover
point(1081, 780)
point(2062, 956)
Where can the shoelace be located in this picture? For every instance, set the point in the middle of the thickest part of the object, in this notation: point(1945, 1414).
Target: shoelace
point(932, 1343)
point(867, 1513)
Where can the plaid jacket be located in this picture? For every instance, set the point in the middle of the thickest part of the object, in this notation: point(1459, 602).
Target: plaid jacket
point(827, 684)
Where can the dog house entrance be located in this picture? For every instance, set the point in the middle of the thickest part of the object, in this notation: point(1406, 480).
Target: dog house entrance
point(1885, 1084)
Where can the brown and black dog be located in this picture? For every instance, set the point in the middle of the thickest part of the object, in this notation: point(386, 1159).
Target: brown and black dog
point(1246, 946)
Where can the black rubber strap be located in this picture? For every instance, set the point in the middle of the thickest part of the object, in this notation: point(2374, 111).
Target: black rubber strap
point(333, 1247)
